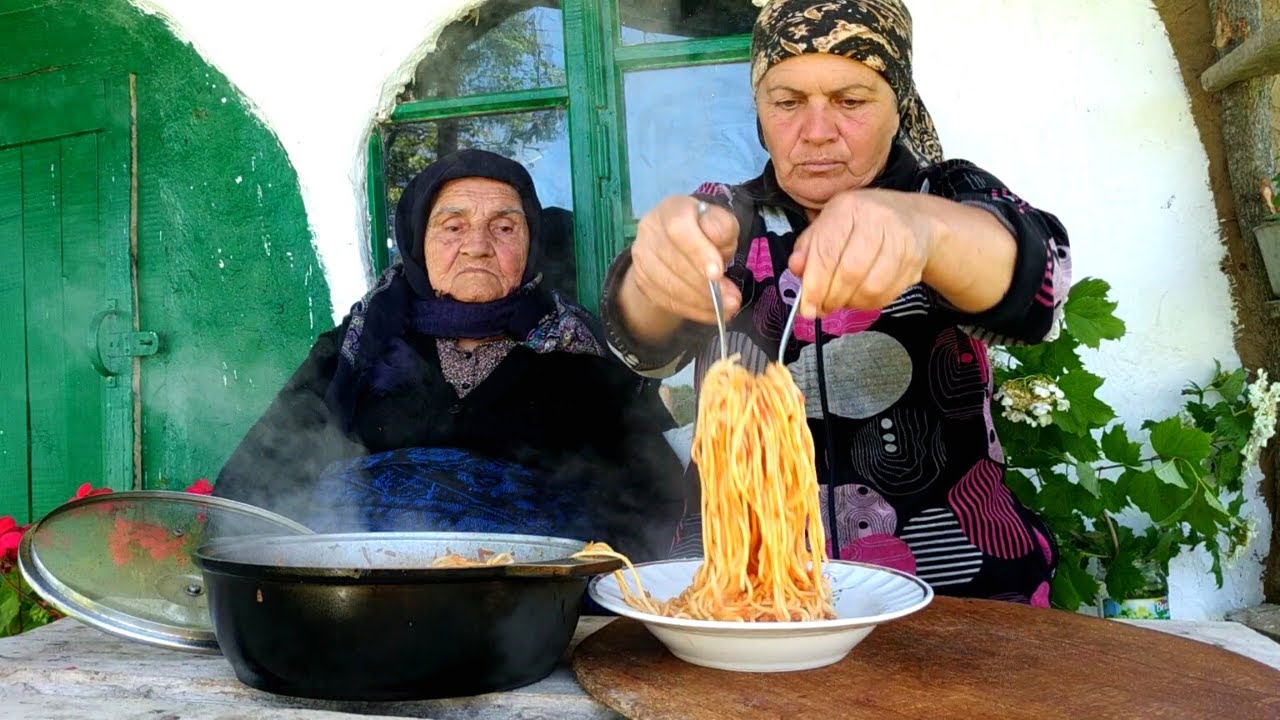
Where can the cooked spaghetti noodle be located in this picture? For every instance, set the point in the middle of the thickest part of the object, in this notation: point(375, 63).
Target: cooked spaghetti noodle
point(762, 537)
point(484, 558)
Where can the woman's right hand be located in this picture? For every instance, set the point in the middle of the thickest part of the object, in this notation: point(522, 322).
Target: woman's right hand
point(675, 253)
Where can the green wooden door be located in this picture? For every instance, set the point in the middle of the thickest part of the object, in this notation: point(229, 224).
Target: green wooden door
point(67, 320)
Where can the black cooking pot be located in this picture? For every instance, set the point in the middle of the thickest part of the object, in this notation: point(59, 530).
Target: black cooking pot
point(364, 616)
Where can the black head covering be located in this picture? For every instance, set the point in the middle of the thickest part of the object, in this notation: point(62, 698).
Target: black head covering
point(374, 355)
point(420, 194)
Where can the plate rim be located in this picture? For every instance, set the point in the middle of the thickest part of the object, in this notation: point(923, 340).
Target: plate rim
point(784, 628)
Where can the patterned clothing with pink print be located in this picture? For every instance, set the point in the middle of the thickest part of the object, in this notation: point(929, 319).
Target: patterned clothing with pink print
point(914, 476)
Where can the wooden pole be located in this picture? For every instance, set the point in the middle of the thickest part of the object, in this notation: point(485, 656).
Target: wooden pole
point(1246, 118)
point(1256, 57)
point(1246, 131)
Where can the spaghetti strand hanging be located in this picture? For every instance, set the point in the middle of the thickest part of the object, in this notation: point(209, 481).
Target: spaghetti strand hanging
point(762, 537)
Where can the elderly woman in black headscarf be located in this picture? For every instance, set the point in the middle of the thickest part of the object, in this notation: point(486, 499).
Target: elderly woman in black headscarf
point(905, 266)
point(459, 394)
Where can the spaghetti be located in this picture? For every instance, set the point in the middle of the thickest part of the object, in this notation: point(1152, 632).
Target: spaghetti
point(762, 536)
point(484, 558)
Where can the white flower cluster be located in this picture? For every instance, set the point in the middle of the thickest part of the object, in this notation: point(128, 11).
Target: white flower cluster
point(1031, 400)
point(1264, 397)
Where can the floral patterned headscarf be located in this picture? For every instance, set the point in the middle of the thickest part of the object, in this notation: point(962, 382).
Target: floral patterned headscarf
point(876, 33)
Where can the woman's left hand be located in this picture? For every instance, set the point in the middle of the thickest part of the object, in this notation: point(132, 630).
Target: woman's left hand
point(862, 251)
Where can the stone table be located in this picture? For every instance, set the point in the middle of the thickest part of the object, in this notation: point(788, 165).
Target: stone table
point(69, 670)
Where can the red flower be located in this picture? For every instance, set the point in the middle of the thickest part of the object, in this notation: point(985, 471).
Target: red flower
point(86, 490)
point(201, 487)
point(118, 542)
point(10, 536)
point(157, 541)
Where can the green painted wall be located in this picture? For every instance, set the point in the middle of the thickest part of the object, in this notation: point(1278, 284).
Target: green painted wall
point(227, 273)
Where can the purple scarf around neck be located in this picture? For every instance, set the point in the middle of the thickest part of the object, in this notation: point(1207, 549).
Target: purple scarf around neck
point(515, 315)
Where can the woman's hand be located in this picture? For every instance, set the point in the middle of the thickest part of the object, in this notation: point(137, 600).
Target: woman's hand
point(862, 251)
point(675, 254)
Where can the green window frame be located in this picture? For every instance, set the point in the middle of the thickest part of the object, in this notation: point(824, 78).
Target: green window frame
point(595, 61)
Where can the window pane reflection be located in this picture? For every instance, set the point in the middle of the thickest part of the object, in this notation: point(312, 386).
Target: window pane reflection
point(503, 45)
point(538, 140)
point(646, 21)
point(686, 126)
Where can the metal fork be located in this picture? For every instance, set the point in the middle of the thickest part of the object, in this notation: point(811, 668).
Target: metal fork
point(716, 303)
point(786, 329)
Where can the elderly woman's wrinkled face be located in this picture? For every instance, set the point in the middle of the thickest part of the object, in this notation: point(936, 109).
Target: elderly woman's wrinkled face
point(477, 240)
point(828, 122)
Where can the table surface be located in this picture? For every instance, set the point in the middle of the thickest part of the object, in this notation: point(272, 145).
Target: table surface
point(69, 670)
point(956, 660)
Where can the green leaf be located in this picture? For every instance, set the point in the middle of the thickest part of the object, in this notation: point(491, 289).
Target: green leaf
point(1021, 486)
point(1060, 357)
point(1089, 287)
point(1163, 503)
point(1029, 357)
point(1231, 385)
point(1092, 320)
point(1114, 493)
point(1167, 546)
point(1083, 448)
point(1215, 551)
point(1204, 415)
point(1087, 411)
point(1089, 315)
point(1212, 500)
point(1117, 447)
point(1124, 576)
point(1170, 439)
point(1025, 446)
point(1087, 477)
point(1232, 428)
point(1052, 358)
point(1058, 494)
point(1073, 586)
point(1204, 519)
point(1169, 475)
point(9, 607)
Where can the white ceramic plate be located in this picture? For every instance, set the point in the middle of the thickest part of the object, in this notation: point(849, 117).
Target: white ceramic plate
point(864, 596)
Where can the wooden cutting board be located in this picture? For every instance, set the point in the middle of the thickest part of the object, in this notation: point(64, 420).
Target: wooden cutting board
point(963, 659)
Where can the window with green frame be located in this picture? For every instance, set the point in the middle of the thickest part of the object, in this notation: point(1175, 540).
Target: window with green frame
point(610, 104)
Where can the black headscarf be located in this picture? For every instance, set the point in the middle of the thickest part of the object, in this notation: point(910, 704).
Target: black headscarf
point(374, 355)
point(415, 206)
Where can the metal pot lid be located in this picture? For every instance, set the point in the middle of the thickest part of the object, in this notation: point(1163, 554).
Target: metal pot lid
point(122, 563)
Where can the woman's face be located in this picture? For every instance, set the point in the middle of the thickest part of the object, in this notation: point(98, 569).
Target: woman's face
point(828, 123)
point(477, 240)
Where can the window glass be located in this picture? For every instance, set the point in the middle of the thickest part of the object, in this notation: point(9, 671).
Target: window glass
point(646, 21)
point(712, 138)
point(501, 46)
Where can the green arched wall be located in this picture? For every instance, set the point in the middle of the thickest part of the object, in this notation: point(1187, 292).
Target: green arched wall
point(227, 274)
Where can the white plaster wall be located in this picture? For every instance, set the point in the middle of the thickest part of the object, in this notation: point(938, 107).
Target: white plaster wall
point(318, 77)
point(1078, 106)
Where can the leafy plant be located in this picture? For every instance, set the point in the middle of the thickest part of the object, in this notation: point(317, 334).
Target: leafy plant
point(1181, 478)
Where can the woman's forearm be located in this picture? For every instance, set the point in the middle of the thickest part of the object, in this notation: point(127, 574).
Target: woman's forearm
point(971, 253)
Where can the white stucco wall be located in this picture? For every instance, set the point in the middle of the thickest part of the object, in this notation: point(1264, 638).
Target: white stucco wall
point(1078, 106)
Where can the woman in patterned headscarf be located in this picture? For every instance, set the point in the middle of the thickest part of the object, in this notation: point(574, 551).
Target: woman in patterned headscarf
point(906, 266)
